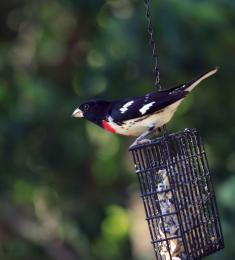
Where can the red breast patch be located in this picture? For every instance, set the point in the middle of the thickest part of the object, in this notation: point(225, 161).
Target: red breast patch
point(108, 127)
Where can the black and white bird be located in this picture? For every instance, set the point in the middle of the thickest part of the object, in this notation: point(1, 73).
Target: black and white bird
point(136, 115)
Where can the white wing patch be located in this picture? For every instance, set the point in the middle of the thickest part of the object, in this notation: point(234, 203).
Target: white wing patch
point(124, 108)
point(146, 107)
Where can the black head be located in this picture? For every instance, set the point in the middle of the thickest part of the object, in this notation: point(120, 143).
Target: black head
point(94, 110)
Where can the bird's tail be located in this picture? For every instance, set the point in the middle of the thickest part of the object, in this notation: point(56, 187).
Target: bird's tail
point(189, 86)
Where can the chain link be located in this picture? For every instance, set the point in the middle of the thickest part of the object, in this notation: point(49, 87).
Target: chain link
point(153, 45)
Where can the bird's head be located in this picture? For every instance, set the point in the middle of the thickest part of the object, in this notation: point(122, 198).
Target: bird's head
point(94, 110)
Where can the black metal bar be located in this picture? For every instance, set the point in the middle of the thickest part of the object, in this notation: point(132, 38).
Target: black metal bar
point(167, 239)
point(168, 155)
point(214, 202)
point(163, 215)
point(137, 161)
point(195, 194)
point(157, 208)
point(183, 196)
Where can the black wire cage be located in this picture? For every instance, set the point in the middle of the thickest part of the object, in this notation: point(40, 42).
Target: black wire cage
point(178, 196)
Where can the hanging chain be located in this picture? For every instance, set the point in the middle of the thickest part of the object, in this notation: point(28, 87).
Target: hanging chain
point(153, 45)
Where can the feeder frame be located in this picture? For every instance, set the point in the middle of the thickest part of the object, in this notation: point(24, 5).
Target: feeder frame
point(178, 196)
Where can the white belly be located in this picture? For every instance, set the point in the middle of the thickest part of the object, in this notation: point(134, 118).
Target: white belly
point(137, 126)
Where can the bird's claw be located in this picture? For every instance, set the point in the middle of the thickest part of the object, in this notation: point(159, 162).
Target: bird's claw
point(144, 141)
point(140, 141)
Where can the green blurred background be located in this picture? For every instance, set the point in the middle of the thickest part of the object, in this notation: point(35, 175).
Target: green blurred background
point(67, 188)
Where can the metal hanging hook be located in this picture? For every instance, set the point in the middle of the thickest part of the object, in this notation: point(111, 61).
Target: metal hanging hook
point(153, 45)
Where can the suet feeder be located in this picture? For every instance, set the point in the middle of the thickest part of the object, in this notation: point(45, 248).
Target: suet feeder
point(178, 196)
point(176, 189)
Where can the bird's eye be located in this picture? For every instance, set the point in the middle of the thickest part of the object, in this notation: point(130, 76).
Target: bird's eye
point(86, 107)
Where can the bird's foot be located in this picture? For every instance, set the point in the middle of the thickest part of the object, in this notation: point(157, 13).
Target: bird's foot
point(145, 141)
point(142, 141)
point(162, 130)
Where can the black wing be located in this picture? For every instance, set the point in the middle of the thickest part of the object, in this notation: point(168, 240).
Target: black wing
point(161, 100)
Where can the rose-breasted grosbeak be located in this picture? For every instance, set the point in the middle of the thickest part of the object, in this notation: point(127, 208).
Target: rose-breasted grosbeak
point(133, 116)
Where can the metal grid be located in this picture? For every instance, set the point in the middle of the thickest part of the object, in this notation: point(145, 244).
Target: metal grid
point(178, 196)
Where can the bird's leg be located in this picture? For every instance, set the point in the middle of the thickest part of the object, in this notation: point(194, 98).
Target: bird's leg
point(151, 132)
point(162, 130)
point(143, 137)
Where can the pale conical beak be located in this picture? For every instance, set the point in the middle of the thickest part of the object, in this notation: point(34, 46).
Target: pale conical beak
point(77, 113)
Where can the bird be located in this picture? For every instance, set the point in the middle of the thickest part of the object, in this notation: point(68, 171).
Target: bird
point(138, 116)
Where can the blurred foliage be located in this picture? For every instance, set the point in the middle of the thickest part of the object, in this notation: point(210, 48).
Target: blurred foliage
point(65, 184)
